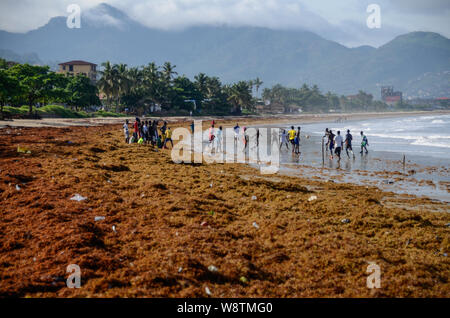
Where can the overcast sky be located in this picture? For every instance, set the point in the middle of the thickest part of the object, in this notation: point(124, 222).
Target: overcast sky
point(340, 20)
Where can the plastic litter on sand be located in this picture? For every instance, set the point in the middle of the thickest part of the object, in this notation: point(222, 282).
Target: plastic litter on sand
point(78, 198)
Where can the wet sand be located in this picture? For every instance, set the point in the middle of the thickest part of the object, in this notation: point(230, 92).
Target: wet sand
point(172, 221)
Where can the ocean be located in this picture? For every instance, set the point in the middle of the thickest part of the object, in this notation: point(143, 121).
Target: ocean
point(424, 141)
point(421, 135)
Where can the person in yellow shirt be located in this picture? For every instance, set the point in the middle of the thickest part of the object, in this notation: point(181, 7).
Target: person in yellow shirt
point(168, 135)
point(292, 134)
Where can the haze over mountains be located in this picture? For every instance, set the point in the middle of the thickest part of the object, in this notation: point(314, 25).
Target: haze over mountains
point(417, 63)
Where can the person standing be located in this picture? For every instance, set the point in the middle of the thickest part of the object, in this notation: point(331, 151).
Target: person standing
point(219, 139)
point(284, 139)
point(338, 141)
point(236, 131)
point(291, 134)
point(327, 135)
point(136, 129)
point(126, 131)
point(364, 143)
point(168, 135)
point(348, 143)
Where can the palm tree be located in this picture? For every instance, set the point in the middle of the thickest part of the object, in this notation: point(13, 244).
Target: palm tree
point(122, 82)
point(201, 83)
point(257, 82)
point(168, 72)
point(106, 82)
point(239, 95)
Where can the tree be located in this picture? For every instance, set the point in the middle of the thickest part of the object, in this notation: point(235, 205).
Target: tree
point(9, 87)
point(106, 83)
point(257, 82)
point(239, 94)
point(81, 92)
point(32, 81)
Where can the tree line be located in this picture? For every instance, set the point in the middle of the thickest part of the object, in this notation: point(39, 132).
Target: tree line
point(310, 99)
point(139, 89)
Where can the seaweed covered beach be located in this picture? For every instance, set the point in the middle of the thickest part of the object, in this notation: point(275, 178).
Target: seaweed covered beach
point(144, 226)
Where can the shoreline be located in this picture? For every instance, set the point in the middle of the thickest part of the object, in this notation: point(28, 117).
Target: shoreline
point(250, 120)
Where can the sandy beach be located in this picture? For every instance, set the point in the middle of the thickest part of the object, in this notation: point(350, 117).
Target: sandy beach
point(166, 224)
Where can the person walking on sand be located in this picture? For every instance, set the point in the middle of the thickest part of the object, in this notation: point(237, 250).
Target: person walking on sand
point(284, 139)
point(126, 131)
point(348, 143)
point(364, 143)
point(192, 127)
point(338, 141)
point(331, 143)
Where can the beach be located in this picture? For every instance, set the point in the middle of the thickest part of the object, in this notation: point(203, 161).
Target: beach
point(180, 230)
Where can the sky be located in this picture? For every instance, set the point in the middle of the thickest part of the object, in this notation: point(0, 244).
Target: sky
point(343, 21)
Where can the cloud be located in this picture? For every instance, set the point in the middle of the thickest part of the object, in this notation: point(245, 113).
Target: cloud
point(343, 20)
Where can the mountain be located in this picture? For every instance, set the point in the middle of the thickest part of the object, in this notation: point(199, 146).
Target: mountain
point(289, 57)
point(30, 58)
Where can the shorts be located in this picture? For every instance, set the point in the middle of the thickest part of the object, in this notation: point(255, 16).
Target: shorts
point(337, 151)
point(331, 146)
point(348, 146)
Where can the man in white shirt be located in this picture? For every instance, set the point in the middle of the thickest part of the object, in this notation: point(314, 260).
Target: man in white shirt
point(338, 141)
point(126, 131)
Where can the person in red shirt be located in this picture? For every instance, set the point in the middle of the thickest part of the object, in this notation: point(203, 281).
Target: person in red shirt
point(136, 128)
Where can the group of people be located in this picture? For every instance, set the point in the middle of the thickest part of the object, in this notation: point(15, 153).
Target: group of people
point(336, 143)
point(148, 132)
point(293, 137)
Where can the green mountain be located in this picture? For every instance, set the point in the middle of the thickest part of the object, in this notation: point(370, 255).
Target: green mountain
point(289, 57)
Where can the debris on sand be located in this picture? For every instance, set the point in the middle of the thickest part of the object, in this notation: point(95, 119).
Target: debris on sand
point(255, 225)
point(312, 198)
point(99, 218)
point(345, 221)
point(204, 224)
point(254, 198)
point(207, 291)
point(23, 150)
point(243, 279)
point(17, 187)
point(114, 229)
point(213, 269)
point(78, 198)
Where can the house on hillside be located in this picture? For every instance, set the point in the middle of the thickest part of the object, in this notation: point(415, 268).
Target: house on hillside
point(390, 97)
point(73, 68)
